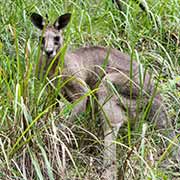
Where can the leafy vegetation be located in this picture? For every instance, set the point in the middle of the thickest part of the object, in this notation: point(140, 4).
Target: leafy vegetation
point(36, 139)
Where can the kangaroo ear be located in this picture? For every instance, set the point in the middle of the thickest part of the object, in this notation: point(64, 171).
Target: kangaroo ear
point(37, 20)
point(62, 21)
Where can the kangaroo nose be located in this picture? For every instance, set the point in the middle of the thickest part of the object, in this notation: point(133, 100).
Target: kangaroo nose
point(49, 53)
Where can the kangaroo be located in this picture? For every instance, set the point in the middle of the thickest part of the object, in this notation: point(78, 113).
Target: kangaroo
point(102, 68)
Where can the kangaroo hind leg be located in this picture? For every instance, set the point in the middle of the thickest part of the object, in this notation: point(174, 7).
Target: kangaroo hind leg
point(113, 116)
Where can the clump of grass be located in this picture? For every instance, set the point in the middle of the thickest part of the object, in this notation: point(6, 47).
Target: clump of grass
point(36, 139)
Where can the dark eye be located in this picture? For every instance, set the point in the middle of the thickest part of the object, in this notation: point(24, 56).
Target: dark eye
point(56, 39)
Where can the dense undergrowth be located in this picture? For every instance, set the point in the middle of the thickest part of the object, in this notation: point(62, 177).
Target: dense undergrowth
point(36, 139)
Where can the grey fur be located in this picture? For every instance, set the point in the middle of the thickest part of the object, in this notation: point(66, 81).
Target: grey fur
point(86, 65)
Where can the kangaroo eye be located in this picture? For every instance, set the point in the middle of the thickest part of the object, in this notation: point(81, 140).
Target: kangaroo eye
point(56, 38)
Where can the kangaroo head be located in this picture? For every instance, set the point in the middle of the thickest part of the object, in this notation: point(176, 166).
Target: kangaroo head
point(52, 37)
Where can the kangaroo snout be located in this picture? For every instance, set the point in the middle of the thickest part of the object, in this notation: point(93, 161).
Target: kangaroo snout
point(49, 53)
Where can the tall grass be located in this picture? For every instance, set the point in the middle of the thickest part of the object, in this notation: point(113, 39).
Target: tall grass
point(36, 139)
